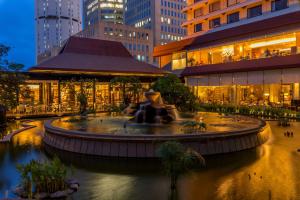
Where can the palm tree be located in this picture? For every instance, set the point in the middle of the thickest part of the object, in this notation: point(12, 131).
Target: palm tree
point(177, 161)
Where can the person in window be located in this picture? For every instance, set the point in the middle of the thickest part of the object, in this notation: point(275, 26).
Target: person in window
point(267, 53)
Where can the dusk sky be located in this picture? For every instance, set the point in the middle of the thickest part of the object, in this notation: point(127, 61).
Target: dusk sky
point(18, 29)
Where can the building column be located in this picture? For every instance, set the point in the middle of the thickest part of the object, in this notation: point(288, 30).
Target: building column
point(94, 94)
point(59, 96)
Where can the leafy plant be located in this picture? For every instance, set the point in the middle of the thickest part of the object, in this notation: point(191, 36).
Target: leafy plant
point(38, 177)
point(193, 126)
point(177, 160)
point(11, 80)
point(173, 91)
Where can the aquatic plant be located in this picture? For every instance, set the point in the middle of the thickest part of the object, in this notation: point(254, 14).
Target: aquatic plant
point(43, 177)
point(193, 126)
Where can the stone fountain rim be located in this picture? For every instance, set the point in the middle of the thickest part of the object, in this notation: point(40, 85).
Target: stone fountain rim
point(89, 135)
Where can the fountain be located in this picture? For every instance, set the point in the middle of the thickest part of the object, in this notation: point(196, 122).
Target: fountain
point(154, 110)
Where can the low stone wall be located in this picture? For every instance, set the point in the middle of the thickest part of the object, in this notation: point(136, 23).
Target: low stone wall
point(145, 146)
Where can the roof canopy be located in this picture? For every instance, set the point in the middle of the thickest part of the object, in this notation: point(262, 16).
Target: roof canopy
point(86, 56)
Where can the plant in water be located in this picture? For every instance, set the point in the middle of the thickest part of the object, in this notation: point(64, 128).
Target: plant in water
point(42, 177)
point(193, 126)
point(177, 161)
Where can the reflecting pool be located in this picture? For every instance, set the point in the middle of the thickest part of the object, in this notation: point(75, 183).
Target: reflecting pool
point(270, 171)
point(122, 125)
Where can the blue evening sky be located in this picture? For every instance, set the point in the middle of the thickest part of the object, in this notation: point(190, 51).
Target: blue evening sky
point(17, 30)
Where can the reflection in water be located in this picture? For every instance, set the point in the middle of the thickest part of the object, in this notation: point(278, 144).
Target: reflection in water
point(268, 172)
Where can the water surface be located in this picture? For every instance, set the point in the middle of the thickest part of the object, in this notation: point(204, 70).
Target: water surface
point(267, 172)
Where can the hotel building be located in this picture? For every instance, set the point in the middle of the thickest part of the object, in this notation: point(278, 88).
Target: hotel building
point(95, 11)
point(243, 52)
point(162, 17)
point(82, 65)
point(138, 41)
point(56, 21)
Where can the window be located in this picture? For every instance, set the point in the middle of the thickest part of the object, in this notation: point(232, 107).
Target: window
point(215, 23)
point(279, 5)
point(198, 12)
point(197, 28)
point(255, 11)
point(234, 17)
point(214, 6)
point(232, 2)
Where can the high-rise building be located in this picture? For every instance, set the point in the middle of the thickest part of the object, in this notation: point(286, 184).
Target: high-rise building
point(138, 41)
point(95, 11)
point(163, 17)
point(211, 16)
point(56, 21)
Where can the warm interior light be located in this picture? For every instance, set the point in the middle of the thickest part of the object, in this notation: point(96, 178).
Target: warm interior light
point(272, 42)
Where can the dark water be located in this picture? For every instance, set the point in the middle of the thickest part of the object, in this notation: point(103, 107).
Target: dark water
point(273, 168)
point(114, 125)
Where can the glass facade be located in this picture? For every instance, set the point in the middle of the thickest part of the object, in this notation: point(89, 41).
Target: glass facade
point(256, 48)
point(40, 97)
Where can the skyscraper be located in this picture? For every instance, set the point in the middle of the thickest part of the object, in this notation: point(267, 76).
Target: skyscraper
point(56, 21)
point(163, 17)
point(103, 10)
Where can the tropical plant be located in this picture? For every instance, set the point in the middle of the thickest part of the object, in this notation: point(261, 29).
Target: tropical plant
point(173, 91)
point(11, 80)
point(193, 126)
point(47, 177)
point(177, 160)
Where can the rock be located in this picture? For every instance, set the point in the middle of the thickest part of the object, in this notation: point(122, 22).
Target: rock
point(167, 119)
point(72, 181)
point(70, 191)
point(42, 195)
point(59, 194)
point(19, 191)
point(150, 113)
point(74, 186)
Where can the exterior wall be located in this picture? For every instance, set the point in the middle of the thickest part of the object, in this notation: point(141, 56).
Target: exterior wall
point(95, 11)
point(56, 21)
point(261, 88)
point(138, 41)
point(162, 17)
point(198, 12)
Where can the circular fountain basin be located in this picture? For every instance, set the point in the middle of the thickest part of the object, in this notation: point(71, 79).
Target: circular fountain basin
point(104, 135)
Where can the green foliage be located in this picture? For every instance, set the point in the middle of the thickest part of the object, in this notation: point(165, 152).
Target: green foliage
point(130, 87)
point(193, 126)
point(176, 160)
point(38, 177)
point(10, 80)
point(258, 111)
point(173, 91)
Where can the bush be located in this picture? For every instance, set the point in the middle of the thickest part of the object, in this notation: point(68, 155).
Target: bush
point(2, 115)
point(173, 91)
point(38, 177)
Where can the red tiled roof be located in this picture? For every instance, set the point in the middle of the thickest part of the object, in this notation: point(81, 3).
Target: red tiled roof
point(251, 29)
point(92, 55)
point(246, 65)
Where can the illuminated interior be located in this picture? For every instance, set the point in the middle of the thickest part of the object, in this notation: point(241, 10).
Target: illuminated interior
point(258, 48)
point(55, 96)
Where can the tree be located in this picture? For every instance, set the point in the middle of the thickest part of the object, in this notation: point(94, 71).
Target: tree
point(11, 80)
point(173, 91)
point(177, 161)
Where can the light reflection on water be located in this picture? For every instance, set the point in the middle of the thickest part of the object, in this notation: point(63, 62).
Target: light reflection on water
point(106, 124)
point(225, 177)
